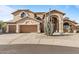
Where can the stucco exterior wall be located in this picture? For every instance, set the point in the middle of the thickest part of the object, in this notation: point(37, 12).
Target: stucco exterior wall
point(17, 16)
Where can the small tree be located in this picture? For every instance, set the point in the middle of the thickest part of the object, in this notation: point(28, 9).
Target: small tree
point(3, 26)
point(1, 22)
point(48, 26)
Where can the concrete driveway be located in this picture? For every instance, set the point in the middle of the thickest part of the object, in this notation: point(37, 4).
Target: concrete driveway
point(71, 40)
point(39, 43)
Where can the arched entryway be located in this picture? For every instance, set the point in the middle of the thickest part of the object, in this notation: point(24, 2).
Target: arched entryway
point(55, 21)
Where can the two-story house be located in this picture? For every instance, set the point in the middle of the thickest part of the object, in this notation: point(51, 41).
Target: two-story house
point(25, 21)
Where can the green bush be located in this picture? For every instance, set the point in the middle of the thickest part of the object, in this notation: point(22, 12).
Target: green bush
point(3, 26)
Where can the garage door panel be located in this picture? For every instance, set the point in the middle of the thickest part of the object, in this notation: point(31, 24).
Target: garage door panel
point(28, 28)
point(12, 28)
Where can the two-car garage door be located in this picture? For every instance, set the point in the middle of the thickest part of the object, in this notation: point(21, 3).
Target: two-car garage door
point(28, 28)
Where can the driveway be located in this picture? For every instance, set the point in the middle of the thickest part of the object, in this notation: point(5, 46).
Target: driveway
point(39, 42)
point(71, 40)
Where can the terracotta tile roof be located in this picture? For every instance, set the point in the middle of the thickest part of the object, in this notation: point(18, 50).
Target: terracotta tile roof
point(11, 21)
point(25, 19)
point(70, 20)
point(22, 10)
point(57, 11)
point(39, 12)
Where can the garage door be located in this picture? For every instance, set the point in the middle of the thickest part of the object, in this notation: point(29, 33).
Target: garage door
point(12, 28)
point(28, 28)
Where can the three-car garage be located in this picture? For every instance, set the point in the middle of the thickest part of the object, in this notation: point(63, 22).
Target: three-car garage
point(26, 26)
point(23, 28)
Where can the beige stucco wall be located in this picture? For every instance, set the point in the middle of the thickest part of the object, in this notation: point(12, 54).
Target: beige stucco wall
point(28, 22)
point(17, 16)
point(31, 15)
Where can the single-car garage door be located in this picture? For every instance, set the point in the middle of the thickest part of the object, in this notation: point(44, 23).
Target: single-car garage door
point(12, 28)
point(28, 28)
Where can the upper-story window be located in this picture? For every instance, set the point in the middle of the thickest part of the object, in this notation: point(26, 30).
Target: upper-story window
point(23, 15)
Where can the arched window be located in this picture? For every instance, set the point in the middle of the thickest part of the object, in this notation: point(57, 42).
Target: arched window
point(23, 15)
point(66, 26)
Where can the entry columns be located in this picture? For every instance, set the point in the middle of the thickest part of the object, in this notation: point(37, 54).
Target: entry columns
point(38, 28)
point(60, 24)
point(17, 28)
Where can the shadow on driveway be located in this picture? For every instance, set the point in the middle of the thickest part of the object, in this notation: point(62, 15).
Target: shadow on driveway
point(37, 49)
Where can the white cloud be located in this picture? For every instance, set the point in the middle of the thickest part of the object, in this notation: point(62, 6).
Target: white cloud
point(5, 12)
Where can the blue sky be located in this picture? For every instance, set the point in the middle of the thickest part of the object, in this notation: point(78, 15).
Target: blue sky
point(72, 11)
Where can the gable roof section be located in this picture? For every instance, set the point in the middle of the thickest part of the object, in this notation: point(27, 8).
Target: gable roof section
point(22, 10)
point(39, 12)
point(70, 21)
point(23, 19)
point(57, 11)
